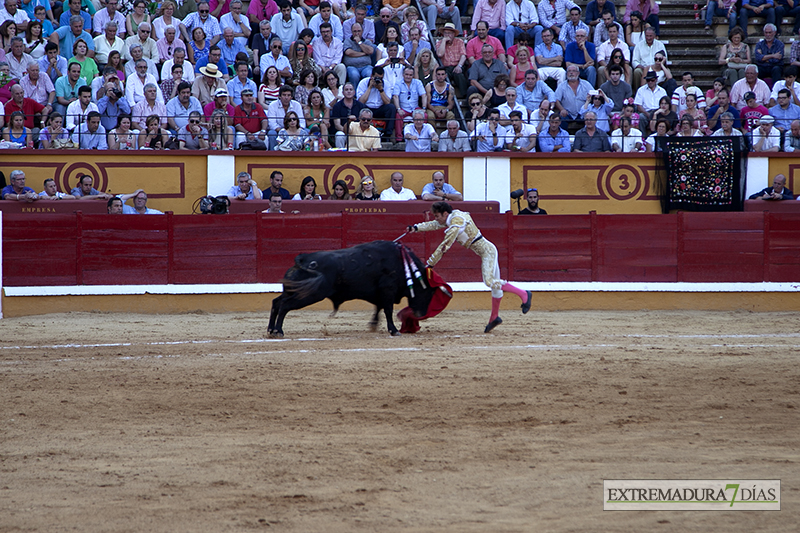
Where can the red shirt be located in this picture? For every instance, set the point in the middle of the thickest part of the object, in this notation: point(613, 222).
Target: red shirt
point(250, 121)
point(29, 108)
point(212, 105)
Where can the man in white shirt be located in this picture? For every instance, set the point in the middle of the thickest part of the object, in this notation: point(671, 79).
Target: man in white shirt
point(644, 55)
point(237, 22)
point(106, 15)
point(397, 192)
point(648, 96)
point(287, 25)
point(142, 38)
point(276, 59)
point(278, 109)
point(511, 105)
point(323, 16)
point(12, 12)
point(604, 52)
point(178, 58)
point(77, 110)
point(108, 41)
point(377, 96)
point(134, 85)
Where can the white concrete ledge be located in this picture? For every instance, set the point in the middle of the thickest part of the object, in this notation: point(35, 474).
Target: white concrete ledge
point(258, 288)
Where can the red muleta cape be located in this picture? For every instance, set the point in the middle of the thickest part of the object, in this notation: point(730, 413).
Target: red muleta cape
point(408, 322)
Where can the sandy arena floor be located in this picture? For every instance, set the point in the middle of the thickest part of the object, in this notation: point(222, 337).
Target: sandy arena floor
point(198, 423)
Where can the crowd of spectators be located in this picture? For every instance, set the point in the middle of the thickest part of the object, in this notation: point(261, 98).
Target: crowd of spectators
point(328, 75)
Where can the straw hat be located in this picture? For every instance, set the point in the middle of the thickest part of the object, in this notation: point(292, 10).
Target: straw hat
point(211, 71)
point(450, 26)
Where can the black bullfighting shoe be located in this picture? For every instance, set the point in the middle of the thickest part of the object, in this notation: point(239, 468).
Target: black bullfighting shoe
point(493, 324)
point(527, 305)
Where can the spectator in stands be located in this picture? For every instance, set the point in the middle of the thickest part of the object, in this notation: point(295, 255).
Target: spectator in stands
point(408, 92)
point(152, 135)
point(568, 31)
point(202, 19)
point(553, 14)
point(329, 51)
point(107, 41)
point(246, 188)
point(752, 112)
point(230, 47)
point(554, 139)
point(90, 135)
point(549, 57)
point(534, 91)
point(261, 45)
point(520, 136)
point(762, 8)
point(275, 200)
point(723, 106)
point(142, 38)
point(511, 104)
point(181, 106)
point(478, 112)
point(615, 88)
point(308, 190)
point(634, 31)
point(648, 9)
point(581, 54)
point(532, 195)
point(789, 83)
point(419, 134)
point(367, 26)
point(768, 55)
point(16, 132)
point(735, 56)
point(540, 118)
point(522, 62)
point(393, 63)
point(594, 12)
point(655, 142)
point(726, 129)
point(750, 84)
point(721, 8)
point(448, 11)
point(687, 87)
point(32, 110)
point(377, 96)
point(192, 136)
point(438, 190)
point(357, 56)
point(275, 186)
point(287, 25)
point(648, 96)
point(74, 10)
point(324, 15)
point(765, 137)
point(791, 141)
point(147, 107)
point(178, 58)
point(139, 204)
point(38, 88)
point(52, 64)
point(644, 55)
point(51, 192)
point(67, 87)
point(784, 112)
point(239, 23)
point(250, 121)
point(214, 58)
point(396, 8)
point(482, 38)
point(414, 45)
point(626, 139)
point(384, 22)
point(18, 60)
point(134, 87)
point(570, 96)
point(490, 135)
point(344, 112)
point(108, 14)
point(220, 103)
point(54, 135)
point(482, 73)
point(122, 137)
point(66, 36)
point(78, 110)
point(240, 83)
point(397, 192)
point(206, 86)
point(85, 190)
point(493, 13)
point(697, 115)
point(454, 139)
point(366, 190)
point(601, 106)
point(440, 97)
point(601, 30)
point(778, 191)
point(359, 136)
point(590, 138)
point(605, 50)
point(169, 86)
point(17, 191)
point(300, 60)
point(275, 58)
point(114, 206)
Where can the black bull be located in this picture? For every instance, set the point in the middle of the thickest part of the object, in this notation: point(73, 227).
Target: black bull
point(374, 272)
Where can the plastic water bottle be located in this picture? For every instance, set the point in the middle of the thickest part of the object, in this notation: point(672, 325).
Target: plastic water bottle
point(316, 145)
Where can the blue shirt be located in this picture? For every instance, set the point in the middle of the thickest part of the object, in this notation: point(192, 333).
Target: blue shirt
point(737, 124)
point(229, 52)
point(223, 68)
point(531, 99)
point(66, 39)
point(575, 55)
point(541, 50)
point(593, 13)
point(10, 190)
point(784, 117)
point(90, 141)
point(409, 97)
point(110, 111)
point(63, 21)
point(547, 142)
point(423, 45)
point(235, 87)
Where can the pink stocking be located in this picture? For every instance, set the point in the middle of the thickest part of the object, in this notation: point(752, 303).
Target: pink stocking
point(519, 292)
point(495, 308)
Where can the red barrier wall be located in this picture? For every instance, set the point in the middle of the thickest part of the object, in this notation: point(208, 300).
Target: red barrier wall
point(76, 249)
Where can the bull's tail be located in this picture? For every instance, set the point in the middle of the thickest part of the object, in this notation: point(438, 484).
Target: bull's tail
point(304, 288)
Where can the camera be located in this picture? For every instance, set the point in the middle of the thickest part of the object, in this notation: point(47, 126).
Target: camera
point(209, 205)
point(519, 193)
point(378, 82)
point(116, 92)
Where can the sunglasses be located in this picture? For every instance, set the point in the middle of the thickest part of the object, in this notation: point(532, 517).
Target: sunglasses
point(475, 103)
point(368, 182)
point(366, 120)
point(292, 118)
point(145, 31)
point(202, 10)
point(532, 190)
point(194, 122)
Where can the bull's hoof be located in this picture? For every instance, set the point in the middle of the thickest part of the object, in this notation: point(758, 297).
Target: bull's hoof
point(275, 334)
point(493, 324)
point(395, 333)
